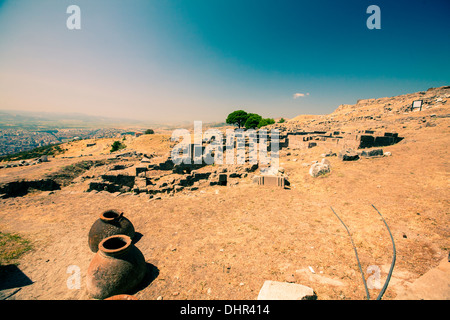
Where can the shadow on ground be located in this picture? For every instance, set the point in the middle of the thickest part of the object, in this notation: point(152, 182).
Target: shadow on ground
point(11, 280)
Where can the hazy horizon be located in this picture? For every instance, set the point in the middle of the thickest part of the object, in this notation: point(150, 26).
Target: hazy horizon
point(176, 61)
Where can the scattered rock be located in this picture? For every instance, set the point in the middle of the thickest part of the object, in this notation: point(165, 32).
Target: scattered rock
point(306, 274)
point(275, 290)
point(372, 153)
point(328, 154)
point(433, 285)
point(318, 169)
point(290, 278)
point(348, 155)
point(306, 164)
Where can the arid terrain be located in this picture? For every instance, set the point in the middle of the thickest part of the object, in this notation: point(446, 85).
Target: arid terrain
point(223, 242)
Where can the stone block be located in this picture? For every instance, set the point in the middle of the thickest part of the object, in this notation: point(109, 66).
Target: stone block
point(184, 182)
point(118, 167)
point(103, 186)
point(178, 188)
point(140, 183)
point(140, 169)
point(119, 179)
point(271, 180)
point(235, 175)
point(366, 141)
point(275, 290)
point(201, 176)
point(348, 156)
point(372, 153)
point(384, 141)
point(223, 179)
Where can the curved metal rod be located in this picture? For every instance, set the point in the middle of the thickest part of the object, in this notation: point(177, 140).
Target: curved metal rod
point(393, 258)
point(356, 254)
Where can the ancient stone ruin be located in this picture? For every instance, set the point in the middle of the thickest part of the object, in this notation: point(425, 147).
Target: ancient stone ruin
point(166, 177)
point(338, 139)
point(22, 187)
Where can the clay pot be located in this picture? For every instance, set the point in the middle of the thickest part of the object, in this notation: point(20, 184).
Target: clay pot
point(110, 223)
point(117, 268)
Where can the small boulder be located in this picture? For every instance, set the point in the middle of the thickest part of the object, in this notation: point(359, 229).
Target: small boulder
point(318, 169)
point(328, 154)
point(372, 153)
point(348, 155)
point(275, 290)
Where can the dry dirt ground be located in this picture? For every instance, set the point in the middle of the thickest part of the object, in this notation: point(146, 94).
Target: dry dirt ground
point(223, 242)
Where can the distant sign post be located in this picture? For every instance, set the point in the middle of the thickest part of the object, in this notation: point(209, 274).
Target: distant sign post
point(417, 105)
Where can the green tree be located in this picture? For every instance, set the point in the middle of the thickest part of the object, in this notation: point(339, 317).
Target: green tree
point(252, 121)
point(149, 131)
point(117, 145)
point(238, 117)
point(281, 120)
point(265, 122)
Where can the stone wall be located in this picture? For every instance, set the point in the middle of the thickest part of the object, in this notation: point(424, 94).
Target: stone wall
point(21, 188)
point(341, 140)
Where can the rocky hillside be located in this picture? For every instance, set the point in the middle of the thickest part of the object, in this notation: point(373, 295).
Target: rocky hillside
point(377, 113)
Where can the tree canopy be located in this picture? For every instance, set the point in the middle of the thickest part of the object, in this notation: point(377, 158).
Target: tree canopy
point(265, 122)
point(248, 120)
point(237, 117)
point(252, 121)
point(117, 145)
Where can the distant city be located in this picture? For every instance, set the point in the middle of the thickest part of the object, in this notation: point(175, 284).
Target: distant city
point(24, 130)
point(18, 140)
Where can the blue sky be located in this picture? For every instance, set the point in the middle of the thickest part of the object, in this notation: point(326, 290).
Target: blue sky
point(200, 60)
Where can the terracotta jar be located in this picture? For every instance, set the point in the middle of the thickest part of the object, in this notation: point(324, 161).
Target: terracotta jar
point(117, 268)
point(110, 223)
